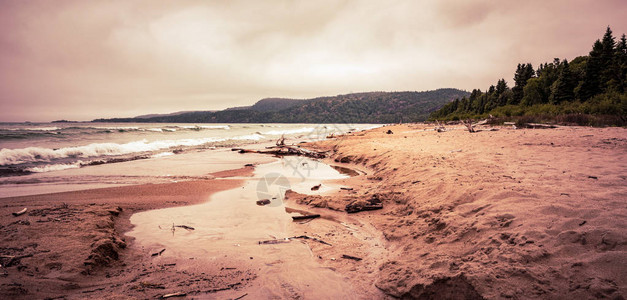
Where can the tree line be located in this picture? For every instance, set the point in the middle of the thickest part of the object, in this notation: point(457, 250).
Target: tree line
point(594, 85)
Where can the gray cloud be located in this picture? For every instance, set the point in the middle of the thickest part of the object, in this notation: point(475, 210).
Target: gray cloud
point(86, 59)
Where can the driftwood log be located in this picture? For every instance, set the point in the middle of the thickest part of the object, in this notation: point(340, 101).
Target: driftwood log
point(351, 257)
point(283, 150)
point(310, 238)
point(263, 202)
point(305, 217)
point(185, 227)
point(21, 212)
point(271, 242)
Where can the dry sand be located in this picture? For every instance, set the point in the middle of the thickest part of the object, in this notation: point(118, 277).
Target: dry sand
point(531, 213)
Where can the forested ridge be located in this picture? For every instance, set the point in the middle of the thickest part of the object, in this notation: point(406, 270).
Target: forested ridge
point(371, 107)
point(589, 90)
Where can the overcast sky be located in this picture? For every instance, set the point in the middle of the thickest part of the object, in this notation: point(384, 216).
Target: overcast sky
point(81, 60)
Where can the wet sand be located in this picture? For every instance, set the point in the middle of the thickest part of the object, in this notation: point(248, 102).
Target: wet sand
point(495, 214)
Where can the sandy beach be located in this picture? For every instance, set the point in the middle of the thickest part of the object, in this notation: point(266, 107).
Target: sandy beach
point(501, 213)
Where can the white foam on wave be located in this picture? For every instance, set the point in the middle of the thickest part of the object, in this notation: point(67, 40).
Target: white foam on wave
point(253, 136)
point(33, 129)
point(57, 167)
point(38, 154)
point(162, 154)
point(290, 131)
point(199, 127)
point(119, 127)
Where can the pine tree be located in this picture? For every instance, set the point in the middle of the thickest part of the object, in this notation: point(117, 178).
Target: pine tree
point(590, 85)
point(524, 72)
point(563, 86)
point(621, 61)
point(609, 69)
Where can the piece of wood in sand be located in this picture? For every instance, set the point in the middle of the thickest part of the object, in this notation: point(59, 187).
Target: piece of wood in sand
point(263, 202)
point(305, 217)
point(158, 253)
point(346, 189)
point(310, 238)
point(179, 294)
point(316, 187)
point(272, 242)
point(354, 209)
point(240, 297)
point(351, 257)
point(185, 227)
point(21, 212)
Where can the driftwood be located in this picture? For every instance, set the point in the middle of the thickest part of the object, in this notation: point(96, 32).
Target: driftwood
point(179, 294)
point(351, 257)
point(263, 202)
point(354, 209)
point(158, 253)
point(21, 212)
point(13, 258)
point(440, 127)
point(305, 217)
point(346, 188)
point(281, 141)
point(316, 187)
point(185, 227)
point(310, 238)
point(282, 150)
point(287, 240)
point(469, 125)
point(272, 242)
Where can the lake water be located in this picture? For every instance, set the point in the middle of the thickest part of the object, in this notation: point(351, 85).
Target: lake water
point(52, 157)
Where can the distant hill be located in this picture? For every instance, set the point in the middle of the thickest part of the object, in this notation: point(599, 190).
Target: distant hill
point(372, 107)
point(163, 115)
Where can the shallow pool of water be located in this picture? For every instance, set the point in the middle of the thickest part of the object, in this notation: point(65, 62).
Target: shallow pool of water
point(231, 224)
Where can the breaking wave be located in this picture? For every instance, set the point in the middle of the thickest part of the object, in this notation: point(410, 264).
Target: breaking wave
point(39, 154)
point(290, 131)
point(56, 167)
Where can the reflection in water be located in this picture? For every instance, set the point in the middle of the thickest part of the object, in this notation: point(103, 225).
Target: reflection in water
point(231, 225)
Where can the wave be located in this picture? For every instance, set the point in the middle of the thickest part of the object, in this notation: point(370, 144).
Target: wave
point(290, 131)
point(56, 167)
point(32, 129)
point(253, 136)
point(162, 154)
point(199, 127)
point(38, 154)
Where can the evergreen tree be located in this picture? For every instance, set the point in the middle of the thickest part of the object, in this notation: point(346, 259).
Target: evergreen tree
point(524, 72)
point(563, 86)
point(621, 61)
point(609, 68)
point(590, 85)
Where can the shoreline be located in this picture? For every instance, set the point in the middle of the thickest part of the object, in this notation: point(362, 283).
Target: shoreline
point(493, 214)
point(75, 243)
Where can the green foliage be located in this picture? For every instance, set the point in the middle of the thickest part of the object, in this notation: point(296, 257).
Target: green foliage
point(595, 84)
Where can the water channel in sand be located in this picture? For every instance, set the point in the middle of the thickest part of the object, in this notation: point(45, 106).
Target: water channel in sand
point(230, 225)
